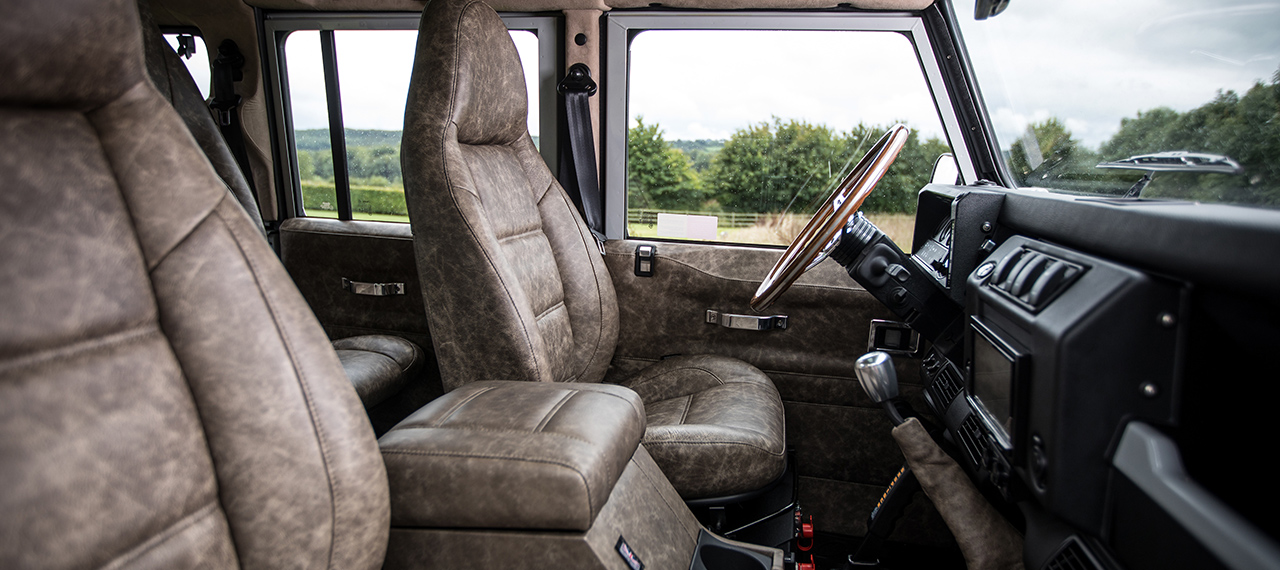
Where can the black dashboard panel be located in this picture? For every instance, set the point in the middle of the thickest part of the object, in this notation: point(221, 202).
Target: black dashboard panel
point(1230, 247)
point(1096, 329)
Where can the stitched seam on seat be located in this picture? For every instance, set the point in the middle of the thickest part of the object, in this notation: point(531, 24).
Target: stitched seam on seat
point(688, 403)
point(453, 102)
point(302, 384)
point(164, 536)
point(521, 235)
point(552, 412)
point(543, 314)
point(588, 240)
point(528, 336)
point(494, 430)
point(464, 402)
point(712, 442)
point(79, 348)
point(586, 487)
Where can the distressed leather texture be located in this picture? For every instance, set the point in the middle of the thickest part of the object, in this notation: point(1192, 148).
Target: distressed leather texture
point(514, 284)
point(512, 288)
point(378, 366)
point(512, 455)
point(376, 374)
point(715, 424)
point(166, 397)
point(986, 539)
point(174, 82)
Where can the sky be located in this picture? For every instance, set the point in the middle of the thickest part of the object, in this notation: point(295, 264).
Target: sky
point(374, 68)
point(705, 84)
point(1088, 62)
point(1092, 62)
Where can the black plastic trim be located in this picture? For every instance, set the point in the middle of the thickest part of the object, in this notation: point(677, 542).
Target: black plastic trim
point(337, 133)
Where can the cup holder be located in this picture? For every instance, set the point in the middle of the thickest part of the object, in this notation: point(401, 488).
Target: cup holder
point(714, 554)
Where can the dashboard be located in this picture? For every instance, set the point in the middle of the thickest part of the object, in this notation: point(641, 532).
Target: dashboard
point(1075, 388)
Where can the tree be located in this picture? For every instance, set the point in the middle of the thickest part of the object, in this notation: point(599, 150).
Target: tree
point(1053, 148)
point(659, 176)
point(791, 166)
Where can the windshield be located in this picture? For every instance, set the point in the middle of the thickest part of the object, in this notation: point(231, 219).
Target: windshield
point(1174, 99)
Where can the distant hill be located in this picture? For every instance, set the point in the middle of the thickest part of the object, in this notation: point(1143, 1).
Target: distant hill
point(700, 144)
point(318, 139)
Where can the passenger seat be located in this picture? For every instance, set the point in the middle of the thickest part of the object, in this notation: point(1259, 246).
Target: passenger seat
point(377, 365)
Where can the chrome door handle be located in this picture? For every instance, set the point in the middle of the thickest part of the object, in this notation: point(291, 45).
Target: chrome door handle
point(746, 322)
point(373, 289)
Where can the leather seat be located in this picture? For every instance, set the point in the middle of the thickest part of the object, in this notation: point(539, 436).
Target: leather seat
point(514, 284)
point(167, 399)
point(378, 366)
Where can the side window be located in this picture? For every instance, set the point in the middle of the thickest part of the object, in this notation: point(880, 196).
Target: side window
point(743, 139)
point(192, 51)
point(359, 79)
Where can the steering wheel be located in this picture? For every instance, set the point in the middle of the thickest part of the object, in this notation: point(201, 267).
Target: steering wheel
point(817, 238)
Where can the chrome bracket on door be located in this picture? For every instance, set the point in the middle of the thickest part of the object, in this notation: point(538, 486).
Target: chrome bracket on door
point(373, 289)
point(746, 322)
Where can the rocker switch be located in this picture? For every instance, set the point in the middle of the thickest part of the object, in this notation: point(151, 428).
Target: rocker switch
point(645, 255)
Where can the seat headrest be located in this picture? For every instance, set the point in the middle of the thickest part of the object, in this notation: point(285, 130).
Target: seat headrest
point(464, 44)
point(68, 53)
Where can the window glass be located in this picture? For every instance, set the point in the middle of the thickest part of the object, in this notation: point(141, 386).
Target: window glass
point(197, 61)
point(1176, 100)
point(374, 69)
point(309, 107)
point(744, 137)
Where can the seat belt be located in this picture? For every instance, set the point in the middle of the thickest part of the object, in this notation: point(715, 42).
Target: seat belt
point(228, 68)
point(578, 172)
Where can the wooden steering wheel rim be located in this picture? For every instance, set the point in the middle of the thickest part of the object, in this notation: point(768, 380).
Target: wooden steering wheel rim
point(831, 217)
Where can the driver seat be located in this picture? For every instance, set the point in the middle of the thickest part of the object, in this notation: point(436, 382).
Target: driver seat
point(514, 283)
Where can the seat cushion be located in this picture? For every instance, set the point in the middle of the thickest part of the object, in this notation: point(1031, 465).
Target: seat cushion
point(715, 424)
point(526, 455)
point(378, 365)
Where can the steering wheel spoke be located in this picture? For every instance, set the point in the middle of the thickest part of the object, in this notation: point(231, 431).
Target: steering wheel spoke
point(815, 241)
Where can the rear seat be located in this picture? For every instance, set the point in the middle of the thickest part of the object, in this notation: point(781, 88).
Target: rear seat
point(377, 365)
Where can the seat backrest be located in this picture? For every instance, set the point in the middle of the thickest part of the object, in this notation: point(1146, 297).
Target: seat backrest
point(514, 284)
point(176, 85)
point(167, 399)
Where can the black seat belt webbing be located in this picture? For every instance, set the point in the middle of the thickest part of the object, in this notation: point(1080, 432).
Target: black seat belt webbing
point(578, 172)
point(228, 68)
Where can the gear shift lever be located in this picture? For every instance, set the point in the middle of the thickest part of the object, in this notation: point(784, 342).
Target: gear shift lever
point(880, 381)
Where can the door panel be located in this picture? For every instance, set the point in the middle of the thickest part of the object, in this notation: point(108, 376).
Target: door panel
point(845, 452)
point(318, 253)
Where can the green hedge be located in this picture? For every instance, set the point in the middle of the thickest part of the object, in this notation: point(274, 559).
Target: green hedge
point(369, 199)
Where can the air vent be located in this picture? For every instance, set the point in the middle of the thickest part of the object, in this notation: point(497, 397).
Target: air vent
point(946, 386)
point(971, 435)
point(1033, 278)
point(1072, 556)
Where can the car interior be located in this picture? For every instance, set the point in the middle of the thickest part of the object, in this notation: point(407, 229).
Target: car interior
point(215, 353)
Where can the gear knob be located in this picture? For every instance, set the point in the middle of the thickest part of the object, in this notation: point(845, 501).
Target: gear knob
point(877, 376)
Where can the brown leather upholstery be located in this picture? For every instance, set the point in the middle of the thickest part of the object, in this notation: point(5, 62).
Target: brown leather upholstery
point(166, 397)
point(515, 286)
point(377, 365)
point(516, 455)
point(715, 424)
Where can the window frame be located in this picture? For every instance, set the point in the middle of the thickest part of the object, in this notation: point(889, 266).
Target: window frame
point(622, 27)
point(276, 29)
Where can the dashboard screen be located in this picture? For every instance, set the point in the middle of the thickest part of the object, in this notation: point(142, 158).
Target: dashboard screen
point(993, 382)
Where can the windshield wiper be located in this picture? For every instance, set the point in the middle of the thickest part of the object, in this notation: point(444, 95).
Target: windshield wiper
point(1172, 161)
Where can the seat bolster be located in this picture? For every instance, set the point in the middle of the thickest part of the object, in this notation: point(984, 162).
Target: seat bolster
point(715, 424)
point(520, 455)
point(405, 354)
point(684, 375)
point(378, 365)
